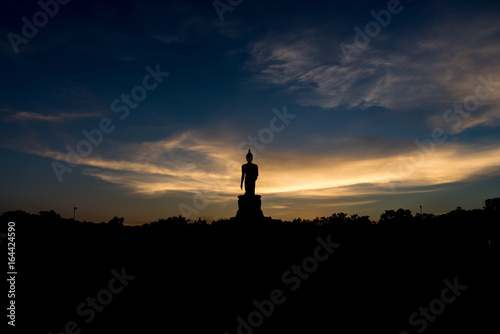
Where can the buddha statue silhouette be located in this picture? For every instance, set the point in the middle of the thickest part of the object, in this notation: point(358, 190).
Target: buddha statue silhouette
point(249, 174)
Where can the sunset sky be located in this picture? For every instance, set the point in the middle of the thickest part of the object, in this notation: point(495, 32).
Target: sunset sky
point(352, 106)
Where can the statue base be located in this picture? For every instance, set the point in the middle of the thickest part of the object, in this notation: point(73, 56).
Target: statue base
point(249, 207)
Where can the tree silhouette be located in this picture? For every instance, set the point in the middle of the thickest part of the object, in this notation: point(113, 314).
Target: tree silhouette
point(191, 263)
point(492, 205)
point(116, 221)
point(171, 221)
point(401, 216)
point(49, 215)
point(15, 216)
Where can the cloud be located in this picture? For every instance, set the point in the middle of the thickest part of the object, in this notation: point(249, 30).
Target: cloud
point(20, 115)
point(375, 78)
point(196, 162)
point(26, 115)
point(401, 70)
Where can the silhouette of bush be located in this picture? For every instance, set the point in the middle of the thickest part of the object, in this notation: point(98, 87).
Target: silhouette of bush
point(49, 215)
point(424, 217)
point(341, 218)
point(15, 216)
point(116, 221)
point(492, 205)
point(489, 214)
point(200, 222)
point(401, 216)
point(170, 221)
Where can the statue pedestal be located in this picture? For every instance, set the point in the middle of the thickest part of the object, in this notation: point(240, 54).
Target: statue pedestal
point(249, 207)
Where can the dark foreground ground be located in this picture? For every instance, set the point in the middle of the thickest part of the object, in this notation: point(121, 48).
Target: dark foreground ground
point(202, 278)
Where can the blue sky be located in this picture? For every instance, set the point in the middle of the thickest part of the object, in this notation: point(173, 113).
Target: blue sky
point(405, 113)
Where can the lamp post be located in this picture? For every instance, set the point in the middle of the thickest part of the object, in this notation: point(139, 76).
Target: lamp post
point(74, 211)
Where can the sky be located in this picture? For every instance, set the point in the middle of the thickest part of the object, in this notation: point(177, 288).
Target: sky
point(146, 110)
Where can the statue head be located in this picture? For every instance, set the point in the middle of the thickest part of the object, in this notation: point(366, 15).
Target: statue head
point(249, 156)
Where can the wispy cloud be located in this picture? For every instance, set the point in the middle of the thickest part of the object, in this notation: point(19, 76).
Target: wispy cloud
point(430, 68)
point(195, 161)
point(20, 115)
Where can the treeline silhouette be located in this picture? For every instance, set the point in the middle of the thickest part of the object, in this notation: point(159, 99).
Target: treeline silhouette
point(194, 276)
point(490, 211)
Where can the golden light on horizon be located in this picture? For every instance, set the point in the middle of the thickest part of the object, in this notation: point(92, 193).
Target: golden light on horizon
point(291, 174)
